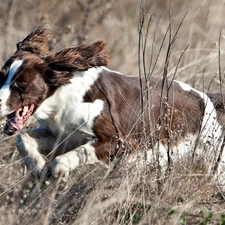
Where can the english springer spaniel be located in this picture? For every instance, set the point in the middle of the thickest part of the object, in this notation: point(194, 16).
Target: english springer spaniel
point(88, 113)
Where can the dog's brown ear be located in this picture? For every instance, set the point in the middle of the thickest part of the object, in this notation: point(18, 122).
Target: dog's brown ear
point(81, 57)
point(63, 64)
point(36, 42)
point(95, 53)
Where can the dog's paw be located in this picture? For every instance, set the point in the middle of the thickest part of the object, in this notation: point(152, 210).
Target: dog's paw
point(60, 167)
point(36, 168)
point(44, 174)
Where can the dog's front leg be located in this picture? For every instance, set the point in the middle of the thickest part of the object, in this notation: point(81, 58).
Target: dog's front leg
point(30, 146)
point(63, 164)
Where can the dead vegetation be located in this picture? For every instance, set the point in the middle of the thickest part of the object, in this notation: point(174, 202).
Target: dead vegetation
point(126, 193)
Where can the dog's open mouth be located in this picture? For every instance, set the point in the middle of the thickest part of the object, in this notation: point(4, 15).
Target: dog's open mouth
point(16, 120)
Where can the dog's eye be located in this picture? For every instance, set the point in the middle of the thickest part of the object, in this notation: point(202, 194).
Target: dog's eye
point(20, 84)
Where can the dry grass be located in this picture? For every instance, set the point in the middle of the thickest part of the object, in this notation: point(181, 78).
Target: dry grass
point(127, 193)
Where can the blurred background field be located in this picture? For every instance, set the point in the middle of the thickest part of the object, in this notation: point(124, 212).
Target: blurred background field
point(74, 22)
point(126, 195)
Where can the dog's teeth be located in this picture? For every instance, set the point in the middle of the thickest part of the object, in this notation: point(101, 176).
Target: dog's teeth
point(25, 109)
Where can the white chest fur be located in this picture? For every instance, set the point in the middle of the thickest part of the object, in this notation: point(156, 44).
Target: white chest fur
point(65, 110)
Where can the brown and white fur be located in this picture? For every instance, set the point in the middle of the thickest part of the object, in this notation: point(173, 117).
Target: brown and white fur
point(88, 113)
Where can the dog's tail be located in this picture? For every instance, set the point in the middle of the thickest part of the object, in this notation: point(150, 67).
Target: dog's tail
point(218, 100)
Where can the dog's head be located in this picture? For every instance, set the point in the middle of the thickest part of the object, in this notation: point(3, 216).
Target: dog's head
point(32, 74)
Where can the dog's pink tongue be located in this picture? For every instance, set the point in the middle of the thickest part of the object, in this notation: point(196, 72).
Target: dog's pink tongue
point(13, 125)
point(16, 120)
